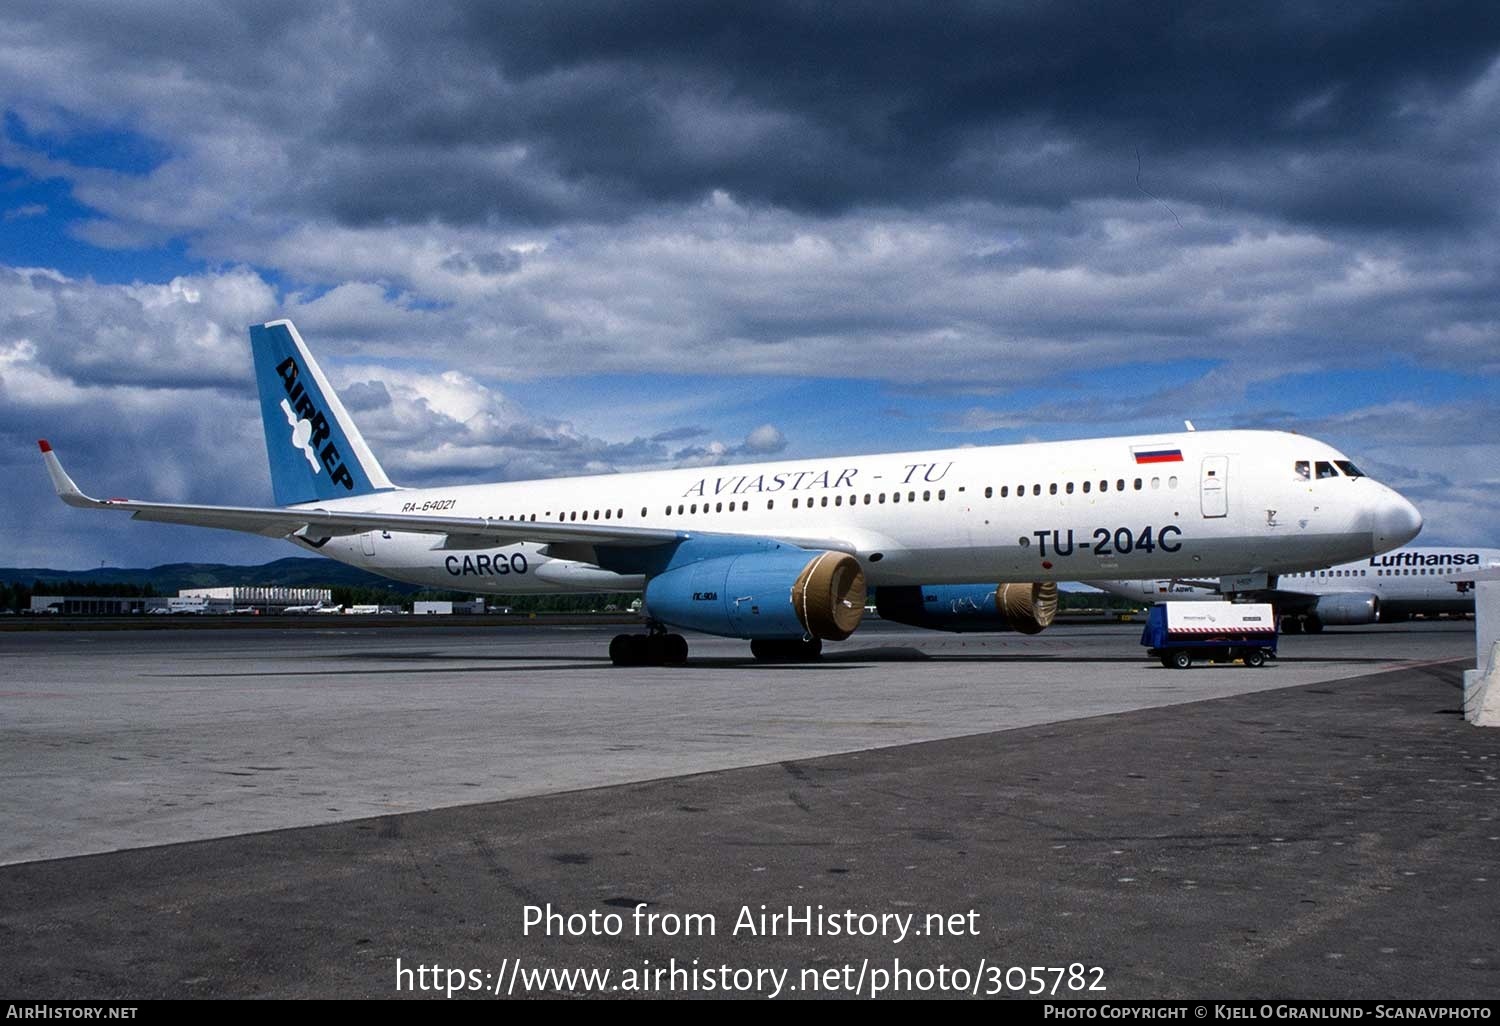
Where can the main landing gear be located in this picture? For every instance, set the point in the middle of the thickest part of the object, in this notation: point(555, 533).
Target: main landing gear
point(659, 648)
point(787, 650)
point(655, 649)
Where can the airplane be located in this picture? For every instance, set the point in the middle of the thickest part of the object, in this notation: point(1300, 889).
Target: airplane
point(304, 610)
point(1384, 588)
point(782, 553)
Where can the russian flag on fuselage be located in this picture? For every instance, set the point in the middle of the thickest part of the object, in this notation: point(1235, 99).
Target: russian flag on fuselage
point(1155, 454)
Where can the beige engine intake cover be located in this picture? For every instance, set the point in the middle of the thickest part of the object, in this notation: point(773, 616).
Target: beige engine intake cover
point(1028, 608)
point(829, 595)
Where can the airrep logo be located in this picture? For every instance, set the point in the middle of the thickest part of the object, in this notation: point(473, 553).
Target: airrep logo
point(310, 427)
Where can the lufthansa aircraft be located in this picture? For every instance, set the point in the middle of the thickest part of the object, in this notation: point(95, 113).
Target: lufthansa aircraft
point(1382, 589)
point(781, 553)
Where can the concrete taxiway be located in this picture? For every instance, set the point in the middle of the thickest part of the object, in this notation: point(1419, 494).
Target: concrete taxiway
point(115, 740)
point(1322, 826)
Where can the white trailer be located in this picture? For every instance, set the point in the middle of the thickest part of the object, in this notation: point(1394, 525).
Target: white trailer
point(1177, 633)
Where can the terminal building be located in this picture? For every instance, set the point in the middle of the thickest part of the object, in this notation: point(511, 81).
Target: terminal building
point(188, 600)
point(445, 608)
point(261, 599)
point(95, 605)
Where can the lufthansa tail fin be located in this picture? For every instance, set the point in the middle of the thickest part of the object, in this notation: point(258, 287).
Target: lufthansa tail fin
point(316, 451)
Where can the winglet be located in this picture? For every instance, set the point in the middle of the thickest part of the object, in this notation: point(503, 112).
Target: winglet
point(67, 491)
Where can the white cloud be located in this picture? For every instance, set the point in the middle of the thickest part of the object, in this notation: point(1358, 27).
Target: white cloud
point(24, 211)
point(188, 331)
point(765, 439)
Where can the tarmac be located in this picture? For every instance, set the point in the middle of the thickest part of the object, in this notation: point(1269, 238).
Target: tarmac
point(290, 813)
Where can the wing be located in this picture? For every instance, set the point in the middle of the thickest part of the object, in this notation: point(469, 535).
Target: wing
point(280, 522)
point(1282, 598)
point(1205, 585)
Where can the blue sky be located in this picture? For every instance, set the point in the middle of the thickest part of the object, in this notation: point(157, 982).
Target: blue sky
point(554, 239)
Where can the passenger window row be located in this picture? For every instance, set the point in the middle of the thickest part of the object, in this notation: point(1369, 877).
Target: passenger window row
point(821, 502)
point(710, 507)
point(1402, 572)
point(609, 514)
point(736, 506)
point(877, 498)
point(869, 498)
point(1069, 488)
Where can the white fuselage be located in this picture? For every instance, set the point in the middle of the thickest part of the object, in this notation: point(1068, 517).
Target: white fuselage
point(1035, 512)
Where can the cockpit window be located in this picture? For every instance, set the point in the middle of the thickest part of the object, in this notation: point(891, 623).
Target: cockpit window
point(1349, 469)
point(1325, 469)
point(1302, 469)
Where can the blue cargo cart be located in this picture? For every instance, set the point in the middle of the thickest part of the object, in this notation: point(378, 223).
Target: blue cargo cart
point(1179, 633)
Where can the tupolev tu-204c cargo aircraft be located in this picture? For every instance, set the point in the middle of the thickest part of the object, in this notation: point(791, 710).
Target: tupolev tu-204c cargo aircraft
point(782, 553)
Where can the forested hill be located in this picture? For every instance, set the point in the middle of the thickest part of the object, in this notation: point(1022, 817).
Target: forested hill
point(168, 579)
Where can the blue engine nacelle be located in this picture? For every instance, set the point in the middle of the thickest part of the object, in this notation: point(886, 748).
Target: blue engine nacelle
point(785, 594)
point(1028, 608)
point(1347, 610)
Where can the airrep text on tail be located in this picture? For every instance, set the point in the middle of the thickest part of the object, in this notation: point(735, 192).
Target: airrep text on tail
point(310, 428)
point(315, 450)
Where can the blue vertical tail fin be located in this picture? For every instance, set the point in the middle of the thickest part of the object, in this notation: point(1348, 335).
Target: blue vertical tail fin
point(316, 451)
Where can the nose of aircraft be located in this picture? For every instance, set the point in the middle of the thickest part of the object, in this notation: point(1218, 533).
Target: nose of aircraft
point(1395, 521)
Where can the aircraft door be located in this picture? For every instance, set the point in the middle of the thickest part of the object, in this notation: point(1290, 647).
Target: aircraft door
point(367, 543)
point(1214, 486)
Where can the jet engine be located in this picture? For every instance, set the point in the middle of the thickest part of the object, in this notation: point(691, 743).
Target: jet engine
point(961, 608)
point(1347, 610)
point(786, 594)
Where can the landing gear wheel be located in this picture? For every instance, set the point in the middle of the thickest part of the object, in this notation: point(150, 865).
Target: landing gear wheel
point(674, 650)
point(648, 650)
point(1180, 660)
point(1291, 625)
point(622, 649)
point(643, 653)
point(787, 650)
point(1255, 657)
point(654, 649)
point(1313, 625)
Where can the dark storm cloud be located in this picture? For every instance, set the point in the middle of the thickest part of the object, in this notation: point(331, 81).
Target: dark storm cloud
point(1331, 115)
point(543, 113)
